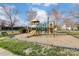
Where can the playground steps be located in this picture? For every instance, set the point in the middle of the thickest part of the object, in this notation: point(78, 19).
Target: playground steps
point(32, 33)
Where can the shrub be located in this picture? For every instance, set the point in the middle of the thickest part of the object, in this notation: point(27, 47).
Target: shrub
point(23, 30)
point(78, 27)
point(4, 33)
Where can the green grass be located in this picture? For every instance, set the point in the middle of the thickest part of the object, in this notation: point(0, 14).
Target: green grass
point(9, 33)
point(72, 33)
point(75, 34)
point(19, 47)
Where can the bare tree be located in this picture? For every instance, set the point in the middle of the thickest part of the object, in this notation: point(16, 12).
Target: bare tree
point(3, 23)
point(74, 12)
point(69, 22)
point(10, 14)
point(31, 14)
point(56, 16)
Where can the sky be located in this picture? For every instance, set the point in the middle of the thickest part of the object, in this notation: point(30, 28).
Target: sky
point(41, 8)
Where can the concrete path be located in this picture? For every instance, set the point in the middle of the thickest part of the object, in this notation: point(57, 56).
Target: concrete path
point(59, 40)
point(4, 52)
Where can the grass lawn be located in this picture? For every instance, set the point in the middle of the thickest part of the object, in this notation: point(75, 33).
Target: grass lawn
point(8, 33)
point(33, 49)
point(75, 34)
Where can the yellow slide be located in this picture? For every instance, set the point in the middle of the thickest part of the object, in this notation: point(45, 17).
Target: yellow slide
point(33, 32)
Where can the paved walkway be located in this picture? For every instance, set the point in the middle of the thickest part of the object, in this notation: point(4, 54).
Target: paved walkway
point(59, 40)
point(4, 52)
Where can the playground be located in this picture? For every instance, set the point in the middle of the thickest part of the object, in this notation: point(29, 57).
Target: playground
point(67, 41)
point(48, 35)
point(36, 28)
point(44, 29)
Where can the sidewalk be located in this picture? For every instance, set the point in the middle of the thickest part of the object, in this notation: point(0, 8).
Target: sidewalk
point(4, 52)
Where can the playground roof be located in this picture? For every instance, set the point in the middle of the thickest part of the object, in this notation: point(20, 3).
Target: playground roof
point(35, 20)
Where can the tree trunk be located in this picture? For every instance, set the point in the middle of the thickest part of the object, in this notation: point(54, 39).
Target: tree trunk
point(12, 28)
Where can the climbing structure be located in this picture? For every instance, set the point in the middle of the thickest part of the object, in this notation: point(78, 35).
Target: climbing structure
point(33, 27)
point(37, 28)
point(50, 28)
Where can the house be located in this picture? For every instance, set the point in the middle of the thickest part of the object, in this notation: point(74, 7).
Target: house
point(65, 27)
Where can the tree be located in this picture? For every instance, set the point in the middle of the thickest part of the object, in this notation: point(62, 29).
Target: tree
point(56, 16)
point(31, 14)
point(78, 26)
point(11, 15)
point(72, 17)
point(69, 22)
point(3, 23)
point(74, 12)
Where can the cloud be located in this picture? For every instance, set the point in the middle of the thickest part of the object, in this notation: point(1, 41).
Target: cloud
point(36, 3)
point(45, 4)
point(19, 21)
point(49, 4)
point(2, 17)
point(41, 15)
point(7, 8)
point(1, 10)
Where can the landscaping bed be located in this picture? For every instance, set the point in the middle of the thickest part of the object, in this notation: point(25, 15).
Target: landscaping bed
point(34, 49)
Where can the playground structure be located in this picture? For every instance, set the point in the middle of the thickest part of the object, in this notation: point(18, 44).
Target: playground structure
point(33, 27)
point(36, 28)
point(50, 28)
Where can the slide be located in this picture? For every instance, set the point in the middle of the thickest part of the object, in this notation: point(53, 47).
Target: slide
point(33, 32)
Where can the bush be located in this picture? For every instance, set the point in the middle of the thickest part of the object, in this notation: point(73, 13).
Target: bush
point(78, 27)
point(22, 30)
point(4, 33)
